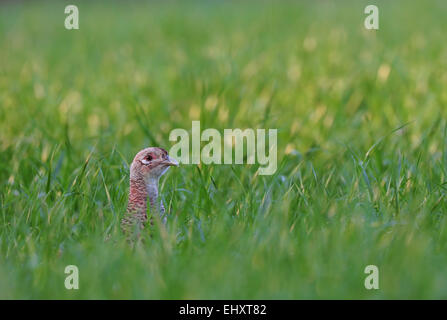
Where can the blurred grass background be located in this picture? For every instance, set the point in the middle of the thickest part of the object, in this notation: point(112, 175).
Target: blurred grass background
point(361, 119)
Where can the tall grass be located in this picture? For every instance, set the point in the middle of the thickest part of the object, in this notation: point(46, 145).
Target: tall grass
point(361, 119)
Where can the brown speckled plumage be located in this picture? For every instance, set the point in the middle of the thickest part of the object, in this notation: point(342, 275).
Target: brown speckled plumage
point(147, 167)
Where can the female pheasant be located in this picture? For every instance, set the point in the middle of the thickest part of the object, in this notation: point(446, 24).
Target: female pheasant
point(147, 167)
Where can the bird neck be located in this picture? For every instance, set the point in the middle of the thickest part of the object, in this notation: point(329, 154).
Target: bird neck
point(140, 191)
point(152, 191)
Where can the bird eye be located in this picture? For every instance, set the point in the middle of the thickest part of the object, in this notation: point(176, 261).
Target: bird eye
point(147, 160)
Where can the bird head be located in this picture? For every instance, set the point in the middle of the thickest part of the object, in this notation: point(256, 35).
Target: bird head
point(150, 164)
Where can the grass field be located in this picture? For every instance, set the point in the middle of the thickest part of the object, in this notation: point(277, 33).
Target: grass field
point(361, 118)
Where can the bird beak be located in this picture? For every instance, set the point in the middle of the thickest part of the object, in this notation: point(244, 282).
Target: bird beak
point(171, 162)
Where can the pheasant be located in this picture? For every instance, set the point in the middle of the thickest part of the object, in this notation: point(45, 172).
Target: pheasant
point(145, 171)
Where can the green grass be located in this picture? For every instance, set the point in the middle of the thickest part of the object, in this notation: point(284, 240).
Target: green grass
point(361, 118)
